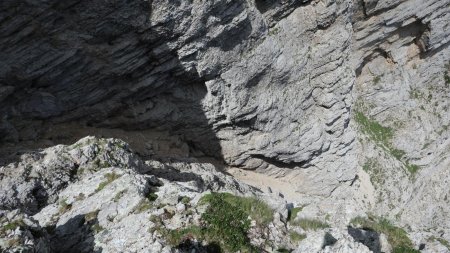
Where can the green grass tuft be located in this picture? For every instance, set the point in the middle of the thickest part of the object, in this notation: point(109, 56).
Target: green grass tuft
point(185, 200)
point(293, 212)
point(382, 136)
point(374, 130)
point(110, 177)
point(397, 237)
point(143, 206)
point(296, 237)
point(447, 79)
point(405, 250)
point(310, 224)
point(253, 207)
point(376, 79)
point(225, 222)
point(11, 226)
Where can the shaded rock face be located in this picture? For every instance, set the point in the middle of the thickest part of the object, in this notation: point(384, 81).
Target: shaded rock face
point(367, 237)
point(101, 64)
point(251, 83)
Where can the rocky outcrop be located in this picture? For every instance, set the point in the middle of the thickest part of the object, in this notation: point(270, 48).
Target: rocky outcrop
point(128, 205)
point(106, 202)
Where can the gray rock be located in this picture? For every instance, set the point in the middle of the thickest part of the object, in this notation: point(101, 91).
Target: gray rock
point(271, 86)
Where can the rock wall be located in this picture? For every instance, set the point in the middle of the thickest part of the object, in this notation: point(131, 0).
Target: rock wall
point(253, 83)
point(348, 100)
point(402, 83)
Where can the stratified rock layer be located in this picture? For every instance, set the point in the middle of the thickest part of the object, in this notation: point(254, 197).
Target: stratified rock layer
point(266, 85)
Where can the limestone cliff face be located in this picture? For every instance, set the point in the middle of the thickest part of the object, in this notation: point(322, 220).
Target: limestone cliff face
point(347, 100)
point(401, 60)
point(262, 85)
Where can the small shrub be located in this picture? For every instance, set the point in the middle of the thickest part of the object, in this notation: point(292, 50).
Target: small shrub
point(80, 196)
point(98, 164)
point(152, 196)
point(273, 31)
point(447, 78)
point(397, 153)
point(225, 222)
point(253, 207)
point(415, 94)
point(310, 224)
point(412, 168)
point(175, 237)
point(185, 200)
point(376, 79)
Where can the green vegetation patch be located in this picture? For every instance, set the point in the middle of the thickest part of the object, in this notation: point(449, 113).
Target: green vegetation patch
point(373, 168)
point(405, 250)
point(376, 79)
point(185, 200)
point(292, 213)
point(225, 222)
point(310, 224)
point(110, 177)
point(447, 78)
point(374, 130)
point(296, 237)
point(382, 136)
point(143, 206)
point(397, 237)
point(257, 209)
point(152, 196)
point(11, 226)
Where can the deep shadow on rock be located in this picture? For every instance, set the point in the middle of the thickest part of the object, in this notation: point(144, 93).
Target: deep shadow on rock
point(188, 246)
point(102, 66)
point(367, 237)
point(328, 240)
point(75, 236)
